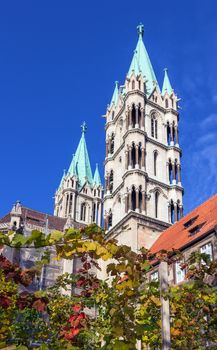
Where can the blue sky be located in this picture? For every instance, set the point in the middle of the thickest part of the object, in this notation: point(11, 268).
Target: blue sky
point(58, 64)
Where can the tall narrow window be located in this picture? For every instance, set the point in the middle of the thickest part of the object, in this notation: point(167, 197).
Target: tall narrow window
point(152, 127)
point(156, 203)
point(111, 181)
point(139, 85)
point(133, 85)
point(166, 103)
point(133, 198)
point(155, 124)
point(112, 143)
point(83, 212)
point(94, 212)
point(172, 212)
point(110, 220)
point(207, 249)
point(180, 273)
point(155, 163)
point(67, 203)
point(70, 203)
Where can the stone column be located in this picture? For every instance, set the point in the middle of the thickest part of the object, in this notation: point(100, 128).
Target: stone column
point(175, 212)
point(127, 119)
point(143, 202)
point(99, 214)
point(169, 213)
point(177, 135)
point(107, 146)
point(130, 117)
point(167, 172)
point(142, 118)
point(174, 173)
point(179, 173)
point(143, 158)
point(137, 117)
point(181, 211)
point(126, 159)
point(126, 202)
point(137, 200)
point(130, 200)
point(137, 157)
point(130, 158)
point(171, 135)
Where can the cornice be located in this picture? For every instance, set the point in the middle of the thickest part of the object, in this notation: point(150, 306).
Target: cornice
point(142, 217)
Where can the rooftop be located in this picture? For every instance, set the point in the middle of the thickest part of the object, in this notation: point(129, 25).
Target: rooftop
point(190, 228)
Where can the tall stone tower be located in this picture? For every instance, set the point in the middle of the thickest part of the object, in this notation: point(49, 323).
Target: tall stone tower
point(143, 193)
point(79, 196)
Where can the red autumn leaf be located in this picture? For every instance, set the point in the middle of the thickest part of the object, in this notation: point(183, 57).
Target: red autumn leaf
point(76, 307)
point(80, 282)
point(70, 335)
point(39, 305)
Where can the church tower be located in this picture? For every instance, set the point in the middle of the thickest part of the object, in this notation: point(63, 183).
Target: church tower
point(143, 193)
point(79, 196)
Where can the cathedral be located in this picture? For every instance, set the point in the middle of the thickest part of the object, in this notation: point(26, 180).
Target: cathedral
point(143, 193)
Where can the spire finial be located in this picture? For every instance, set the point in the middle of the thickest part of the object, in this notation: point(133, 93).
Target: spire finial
point(165, 69)
point(83, 127)
point(140, 30)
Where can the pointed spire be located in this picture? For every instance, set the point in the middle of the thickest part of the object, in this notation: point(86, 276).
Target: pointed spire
point(141, 63)
point(72, 168)
point(63, 178)
point(114, 99)
point(80, 165)
point(96, 178)
point(166, 84)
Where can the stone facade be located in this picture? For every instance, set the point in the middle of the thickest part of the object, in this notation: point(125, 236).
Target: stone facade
point(143, 160)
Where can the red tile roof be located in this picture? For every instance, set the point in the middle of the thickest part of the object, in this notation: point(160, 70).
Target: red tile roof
point(194, 225)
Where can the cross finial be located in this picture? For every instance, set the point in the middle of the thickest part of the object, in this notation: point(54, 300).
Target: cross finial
point(140, 30)
point(83, 127)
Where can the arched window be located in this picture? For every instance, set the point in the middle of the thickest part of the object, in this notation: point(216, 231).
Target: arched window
point(110, 220)
point(133, 198)
point(154, 126)
point(170, 172)
point(133, 85)
point(139, 85)
point(156, 200)
point(67, 203)
point(133, 155)
point(178, 210)
point(168, 133)
point(70, 203)
point(166, 103)
point(176, 171)
point(155, 100)
point(172, 212)
point(111, 181)
point(133, 116)
point(113, 115)
point(83, 212)
point(140, 198)
point(172, 102)
point(94, 193)
point(94, 212)
point(155, 163)
point(140, 155)
point(112, 143)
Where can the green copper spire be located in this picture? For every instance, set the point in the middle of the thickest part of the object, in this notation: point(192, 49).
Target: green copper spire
point(80, 165)
point(72, 168)
point(114, 99)
point(63, 177)
point(166, 84)
point(141, 63)
point(96, 178)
